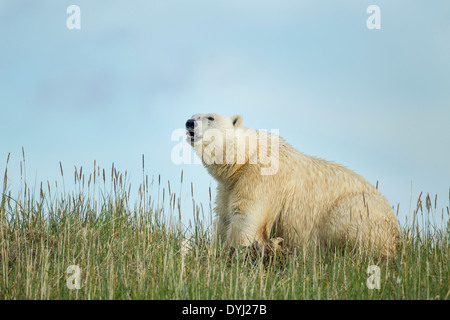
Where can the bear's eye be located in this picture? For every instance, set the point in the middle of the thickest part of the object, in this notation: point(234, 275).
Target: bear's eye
point(210, 118)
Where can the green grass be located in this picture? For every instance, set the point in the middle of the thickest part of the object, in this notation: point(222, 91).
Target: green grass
point(139, 251)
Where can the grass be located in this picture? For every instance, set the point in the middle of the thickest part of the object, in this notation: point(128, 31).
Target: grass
point(143, 251)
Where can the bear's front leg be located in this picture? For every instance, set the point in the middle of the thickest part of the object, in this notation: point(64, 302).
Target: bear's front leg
point(248, 227)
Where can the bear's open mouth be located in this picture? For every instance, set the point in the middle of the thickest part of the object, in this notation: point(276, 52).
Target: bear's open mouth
point(191, 136)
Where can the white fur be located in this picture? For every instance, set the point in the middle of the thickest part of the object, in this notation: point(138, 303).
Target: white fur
point(266, 189)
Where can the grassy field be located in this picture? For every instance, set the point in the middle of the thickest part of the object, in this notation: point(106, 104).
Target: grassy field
point(92, 238)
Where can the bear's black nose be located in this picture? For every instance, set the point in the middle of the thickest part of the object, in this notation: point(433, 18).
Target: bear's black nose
point(190, 124)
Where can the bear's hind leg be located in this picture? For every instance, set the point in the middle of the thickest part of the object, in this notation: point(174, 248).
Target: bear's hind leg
point(364, 223)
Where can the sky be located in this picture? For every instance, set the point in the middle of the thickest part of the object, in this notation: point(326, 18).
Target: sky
point(376, 101)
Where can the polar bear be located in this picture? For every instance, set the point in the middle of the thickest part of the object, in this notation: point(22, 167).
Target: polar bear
point(266, 188)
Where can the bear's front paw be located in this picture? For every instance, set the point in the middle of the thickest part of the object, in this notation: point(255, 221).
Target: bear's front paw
point(263, 253)
point(274, 247)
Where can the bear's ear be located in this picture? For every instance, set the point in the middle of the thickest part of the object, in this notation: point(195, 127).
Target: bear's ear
point(237, 120)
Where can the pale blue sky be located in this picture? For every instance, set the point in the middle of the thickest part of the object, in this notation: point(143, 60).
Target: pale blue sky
point(377, 101)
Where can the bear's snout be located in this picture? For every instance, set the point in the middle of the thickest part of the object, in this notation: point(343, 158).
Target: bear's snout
point(190, 124)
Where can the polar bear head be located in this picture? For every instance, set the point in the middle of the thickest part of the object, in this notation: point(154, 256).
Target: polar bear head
point(198, 126)
point(216, 138)
point(224, 145)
